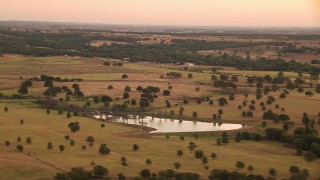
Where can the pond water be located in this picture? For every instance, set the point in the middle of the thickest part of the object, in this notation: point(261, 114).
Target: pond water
point(169, 125)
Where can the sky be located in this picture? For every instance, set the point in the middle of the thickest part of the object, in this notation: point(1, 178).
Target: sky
point(288, 13)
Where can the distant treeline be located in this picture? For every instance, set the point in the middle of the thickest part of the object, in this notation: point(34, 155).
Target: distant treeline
point(298, 50)
point(197, 45)
point(77, 44)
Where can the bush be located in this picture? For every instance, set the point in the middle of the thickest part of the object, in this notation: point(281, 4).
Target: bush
point(177, 165)
point(19, 148)
point(100, 171)
point(135, 147)
point(240, 165)
point(145, 173)
point(275, 134)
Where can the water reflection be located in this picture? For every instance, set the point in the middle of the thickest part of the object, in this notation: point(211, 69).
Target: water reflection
point(166, 126)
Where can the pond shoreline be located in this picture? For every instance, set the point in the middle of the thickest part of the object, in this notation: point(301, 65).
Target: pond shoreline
point(154, 125)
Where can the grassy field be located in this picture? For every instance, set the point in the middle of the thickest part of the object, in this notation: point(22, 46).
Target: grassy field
point(36, 162)
point(97, 77)
point(42, 163)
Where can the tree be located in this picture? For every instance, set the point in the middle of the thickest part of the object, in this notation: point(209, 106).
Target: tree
point(192, 146)
point(309, 93)
point(231, 97)
point(305, 172)
point(100, 171)
point(61, 147)
point(90, 140)
point(283, 117)
point(96, 99)
point(190, 76)
point(21, 121)
point(299, 152)
point(218, 141)
point(185, 101)
point(135, 147)
point(121, 176)
point(106, 99)
point(213, 155)
point(74, 126)
point(198, 154)
point(48, 83)
point(124, 76)
point(196, 136)
point(6, 109)
point(204, 160)
point(222, 101)
point(181, 110)
point(148, 162)
point(110, 87)
point(285, 126)
point(250, 168)
point(294, 169)
point(214, 77)
point(145, 173)
point(104, 150)
point(272, 172)
point(7, 143)
point(127, 89)
point(197, 89)
point(66, 137)
point(240, 165)
point(106, 63)
point(75, 173)
point(234, 78)
point(177, 165)
point(144, 102)
point(225, 138)
point(72, 142)
point(19, 147)
point(49, 146)
point(166, 93)
point(194, 114)
point(180, 153)
point(126, 95)
point(68, 115)
point(28, 140)
point(133, 102)
point(23, 90)
point(309, 156)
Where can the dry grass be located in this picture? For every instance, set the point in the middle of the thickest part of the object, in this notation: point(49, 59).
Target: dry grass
point(43, 128)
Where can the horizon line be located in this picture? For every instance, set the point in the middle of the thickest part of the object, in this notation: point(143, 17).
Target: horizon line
point(163, 25)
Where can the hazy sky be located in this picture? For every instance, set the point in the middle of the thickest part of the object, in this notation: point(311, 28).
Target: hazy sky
point(167, 12)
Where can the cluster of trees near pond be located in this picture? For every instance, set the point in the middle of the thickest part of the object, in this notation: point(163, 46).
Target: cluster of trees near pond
point(74, 43)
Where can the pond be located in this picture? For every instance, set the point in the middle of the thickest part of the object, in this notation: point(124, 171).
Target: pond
point(169, 125)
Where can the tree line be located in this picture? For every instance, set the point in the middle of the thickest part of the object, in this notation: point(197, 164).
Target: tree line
point(75, 44)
